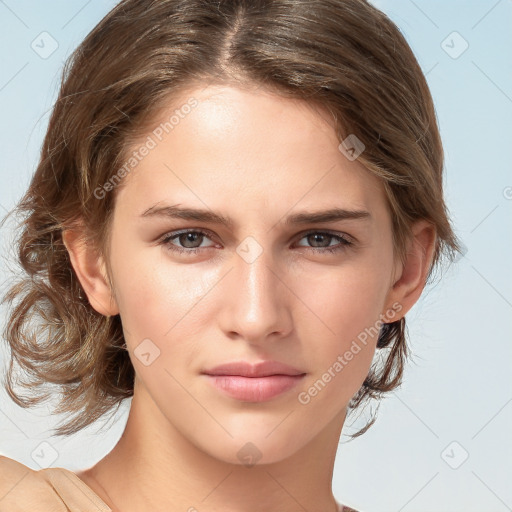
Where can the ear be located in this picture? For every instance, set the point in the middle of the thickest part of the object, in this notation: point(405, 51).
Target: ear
point(409, 285)
point(90, 269)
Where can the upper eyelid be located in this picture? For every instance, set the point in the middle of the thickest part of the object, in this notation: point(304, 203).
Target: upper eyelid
point(176, 233)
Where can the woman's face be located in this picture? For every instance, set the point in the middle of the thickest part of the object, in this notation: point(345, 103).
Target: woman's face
point(270, 284)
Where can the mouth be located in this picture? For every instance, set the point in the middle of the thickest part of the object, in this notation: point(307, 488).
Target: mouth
point(254, 382)
point(254, 389)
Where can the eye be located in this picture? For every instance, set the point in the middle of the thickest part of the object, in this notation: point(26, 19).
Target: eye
point(321, 241)
point(190, 240)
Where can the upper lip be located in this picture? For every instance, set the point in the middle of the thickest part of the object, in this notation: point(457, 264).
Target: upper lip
point(261, 369)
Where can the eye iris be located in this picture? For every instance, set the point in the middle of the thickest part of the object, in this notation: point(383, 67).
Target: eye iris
point(185, 238)
point(317, 237)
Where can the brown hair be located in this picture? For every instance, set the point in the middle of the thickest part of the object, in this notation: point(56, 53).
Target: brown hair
point(343, 55)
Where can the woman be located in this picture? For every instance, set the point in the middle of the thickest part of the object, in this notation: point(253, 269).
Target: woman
point(236, 205)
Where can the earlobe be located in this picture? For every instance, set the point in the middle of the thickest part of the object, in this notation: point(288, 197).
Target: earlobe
point(408, 287)
point(91, 272)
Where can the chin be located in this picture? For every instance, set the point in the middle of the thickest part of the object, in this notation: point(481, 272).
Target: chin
point(258, 449)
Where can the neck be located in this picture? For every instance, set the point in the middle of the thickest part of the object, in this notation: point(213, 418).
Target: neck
point(154, 467)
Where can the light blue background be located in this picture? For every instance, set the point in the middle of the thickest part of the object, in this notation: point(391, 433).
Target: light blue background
point(459, 387)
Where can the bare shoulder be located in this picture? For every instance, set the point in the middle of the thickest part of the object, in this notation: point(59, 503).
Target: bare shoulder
point(12, 474)
point(22, 489)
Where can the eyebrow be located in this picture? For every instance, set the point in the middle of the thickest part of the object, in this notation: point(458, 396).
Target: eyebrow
point(208, 216)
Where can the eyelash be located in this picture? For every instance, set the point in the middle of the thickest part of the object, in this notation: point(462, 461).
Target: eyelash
point(344, 242)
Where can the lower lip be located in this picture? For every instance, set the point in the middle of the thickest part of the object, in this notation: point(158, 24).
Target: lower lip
point(254, 389)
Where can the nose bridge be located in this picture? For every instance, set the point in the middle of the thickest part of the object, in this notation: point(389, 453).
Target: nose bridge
point(255, 273)
point(258, 296)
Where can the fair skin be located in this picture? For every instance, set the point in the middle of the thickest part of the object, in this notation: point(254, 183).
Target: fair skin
point(256, 158)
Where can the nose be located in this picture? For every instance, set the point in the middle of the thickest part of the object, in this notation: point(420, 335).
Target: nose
point(255, 300)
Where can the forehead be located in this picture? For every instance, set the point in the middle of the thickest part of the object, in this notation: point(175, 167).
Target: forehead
point(247, 147)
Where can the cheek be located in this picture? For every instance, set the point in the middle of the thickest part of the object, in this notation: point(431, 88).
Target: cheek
point(341, 330)
point(160, 301)
point(343, 301)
